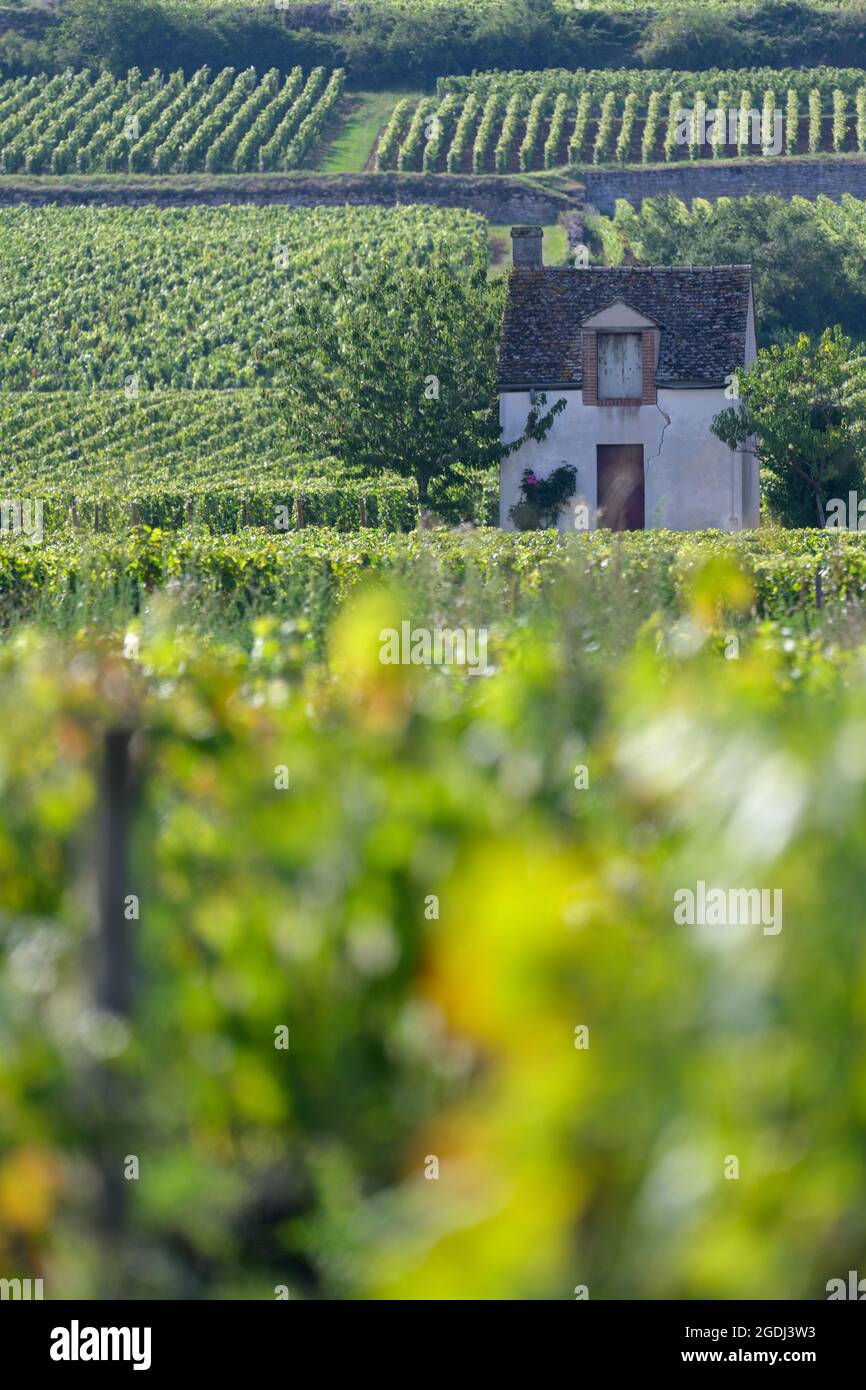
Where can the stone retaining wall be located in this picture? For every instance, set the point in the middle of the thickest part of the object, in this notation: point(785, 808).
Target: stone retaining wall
point(785, 177)
point(500, 200)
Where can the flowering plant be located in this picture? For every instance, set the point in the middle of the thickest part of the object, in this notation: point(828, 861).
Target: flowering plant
point(542, 499)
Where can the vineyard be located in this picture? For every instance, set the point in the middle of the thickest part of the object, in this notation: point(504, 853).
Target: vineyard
point(317, 569)
point(99, 438)
point(519, 122)
point(284, 921)
point(226, 122)
point(219, 460)
point(216, 666)
point(116, 327)
point(642, 82)
point(331, 499)
point(79, 123)
point(290, 926)
point(138, 299)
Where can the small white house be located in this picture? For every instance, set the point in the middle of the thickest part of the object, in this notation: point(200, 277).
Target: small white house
point(644, 358)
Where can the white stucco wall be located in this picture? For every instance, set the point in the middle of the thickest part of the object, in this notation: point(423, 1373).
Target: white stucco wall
point(692, 481)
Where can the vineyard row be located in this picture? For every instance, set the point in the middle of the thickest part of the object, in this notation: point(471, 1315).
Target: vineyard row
point(510, 133)
point(228, 122)
point(642, 82)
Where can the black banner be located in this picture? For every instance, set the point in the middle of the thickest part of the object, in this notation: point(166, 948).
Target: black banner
point(81, 1339)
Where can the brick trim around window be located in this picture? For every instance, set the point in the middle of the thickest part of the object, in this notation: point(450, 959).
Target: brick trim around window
point(648, 353)
point(589, 349)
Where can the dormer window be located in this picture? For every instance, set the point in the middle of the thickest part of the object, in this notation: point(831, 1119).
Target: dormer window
point(620, 351)
point(620, 366)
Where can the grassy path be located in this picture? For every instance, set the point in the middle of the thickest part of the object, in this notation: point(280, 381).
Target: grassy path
point(366, 114)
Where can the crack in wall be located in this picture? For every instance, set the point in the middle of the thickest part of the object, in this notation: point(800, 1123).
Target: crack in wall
point(667, 421)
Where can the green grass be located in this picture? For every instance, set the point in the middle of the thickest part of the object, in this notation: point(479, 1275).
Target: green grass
point(365, 115)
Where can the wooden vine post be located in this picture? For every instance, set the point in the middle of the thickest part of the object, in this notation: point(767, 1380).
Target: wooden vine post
point(113, 989)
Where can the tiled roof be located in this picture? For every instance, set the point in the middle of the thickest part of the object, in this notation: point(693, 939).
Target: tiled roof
point(701, 310)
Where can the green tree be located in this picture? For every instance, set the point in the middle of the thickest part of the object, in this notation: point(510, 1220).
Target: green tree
point(804, 275)
point(802, 411)
point(117, 35)
point(395, 371)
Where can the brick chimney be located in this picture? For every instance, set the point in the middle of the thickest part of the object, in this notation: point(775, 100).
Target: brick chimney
point(526, 243)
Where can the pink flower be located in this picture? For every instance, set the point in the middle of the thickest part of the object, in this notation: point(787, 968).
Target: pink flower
point(531, 480)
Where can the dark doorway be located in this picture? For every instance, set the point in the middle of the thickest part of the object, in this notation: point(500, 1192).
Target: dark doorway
point(620, 486)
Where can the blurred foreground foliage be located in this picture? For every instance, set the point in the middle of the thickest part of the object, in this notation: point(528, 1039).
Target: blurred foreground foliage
point(415, 1036)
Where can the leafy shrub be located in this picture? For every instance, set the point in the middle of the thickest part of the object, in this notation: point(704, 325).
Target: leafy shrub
point(542, 499)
